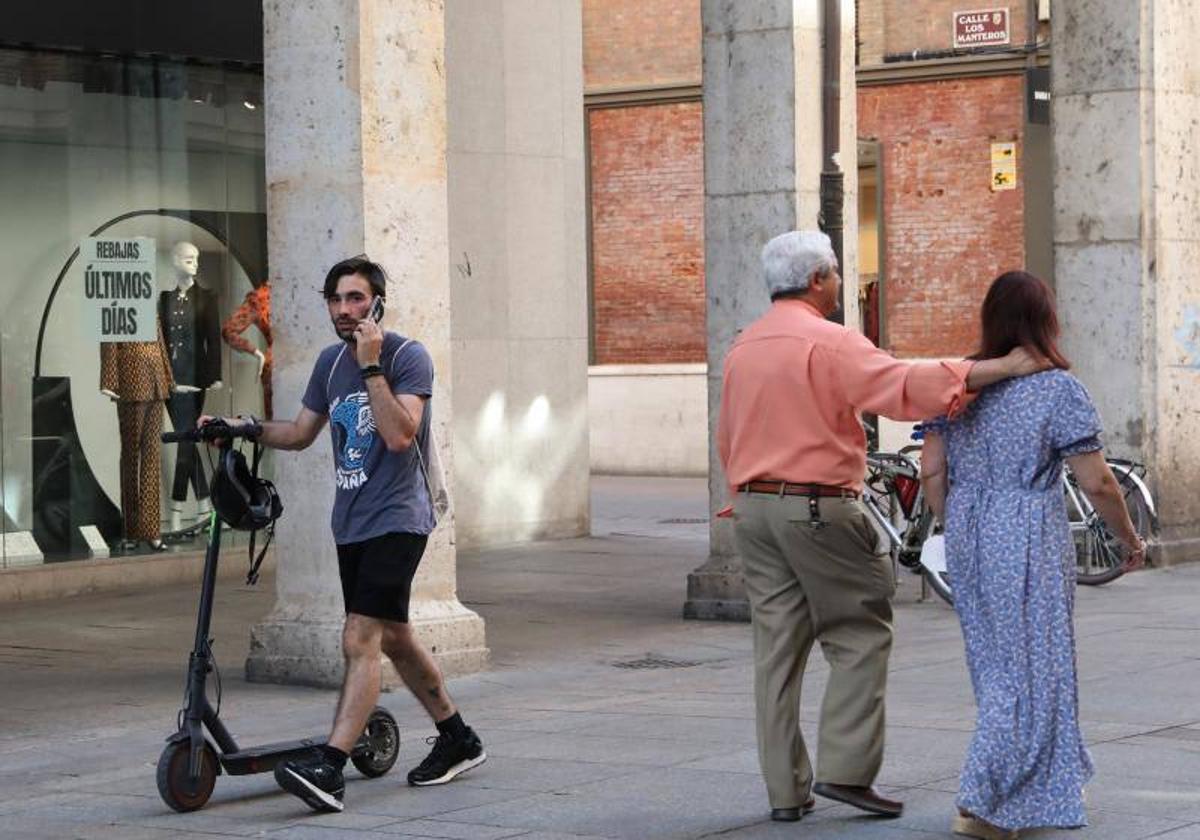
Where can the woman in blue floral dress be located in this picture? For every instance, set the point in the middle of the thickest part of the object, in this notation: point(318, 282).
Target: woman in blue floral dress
point(1012, 562)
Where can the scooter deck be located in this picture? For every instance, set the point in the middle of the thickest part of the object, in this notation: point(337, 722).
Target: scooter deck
point(263, 759)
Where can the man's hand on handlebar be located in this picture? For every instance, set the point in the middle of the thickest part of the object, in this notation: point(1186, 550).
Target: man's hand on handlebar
point(230, 422)
point(216, 431)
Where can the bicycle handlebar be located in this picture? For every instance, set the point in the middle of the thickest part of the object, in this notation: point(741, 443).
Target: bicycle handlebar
point(214, 431)
point(885, 460)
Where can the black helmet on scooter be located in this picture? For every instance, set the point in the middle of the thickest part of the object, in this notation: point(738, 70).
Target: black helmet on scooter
point(244, 501)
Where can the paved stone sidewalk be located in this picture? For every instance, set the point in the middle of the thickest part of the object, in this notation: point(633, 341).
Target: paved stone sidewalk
point(605, 715)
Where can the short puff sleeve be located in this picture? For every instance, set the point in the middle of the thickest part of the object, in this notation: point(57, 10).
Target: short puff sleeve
point(1075, 424)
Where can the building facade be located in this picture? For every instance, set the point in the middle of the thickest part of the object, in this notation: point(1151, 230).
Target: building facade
point(642, 92)
point(934, 228)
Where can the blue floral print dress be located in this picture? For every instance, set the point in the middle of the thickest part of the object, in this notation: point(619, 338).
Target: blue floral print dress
point(1012, 565)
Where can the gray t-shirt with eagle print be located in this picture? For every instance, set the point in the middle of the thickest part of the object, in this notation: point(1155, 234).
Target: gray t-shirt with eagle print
point(378, 492)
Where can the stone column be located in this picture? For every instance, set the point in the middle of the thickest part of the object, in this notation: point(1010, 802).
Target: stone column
point(762, 165)
point(356, 162)
point(518, 269)
point(1126, 92)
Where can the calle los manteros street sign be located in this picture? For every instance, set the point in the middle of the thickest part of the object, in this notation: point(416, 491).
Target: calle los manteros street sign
point(981, 28)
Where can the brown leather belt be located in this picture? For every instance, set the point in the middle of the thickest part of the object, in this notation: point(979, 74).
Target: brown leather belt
point(788, 488)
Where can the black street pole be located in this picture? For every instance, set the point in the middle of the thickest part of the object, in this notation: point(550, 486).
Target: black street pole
point(832, 219)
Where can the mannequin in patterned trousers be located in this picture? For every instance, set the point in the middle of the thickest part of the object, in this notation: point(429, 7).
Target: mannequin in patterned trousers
point(137, 376)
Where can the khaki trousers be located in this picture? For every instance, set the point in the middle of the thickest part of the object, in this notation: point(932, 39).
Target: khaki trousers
point(806, 583)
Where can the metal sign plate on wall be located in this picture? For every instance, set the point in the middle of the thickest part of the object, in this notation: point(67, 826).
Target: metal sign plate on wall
point(981, 28)
point(1004, 166)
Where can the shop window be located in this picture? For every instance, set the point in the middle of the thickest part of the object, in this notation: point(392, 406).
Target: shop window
point(117, 150)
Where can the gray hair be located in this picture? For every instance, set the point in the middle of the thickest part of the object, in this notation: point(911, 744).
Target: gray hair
point(791, 259)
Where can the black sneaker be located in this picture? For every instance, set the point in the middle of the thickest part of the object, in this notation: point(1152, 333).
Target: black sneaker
point(450, 757)
point(318, 783)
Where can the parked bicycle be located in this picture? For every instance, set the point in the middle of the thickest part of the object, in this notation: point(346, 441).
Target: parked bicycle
point(893, 496)
point(897, 504)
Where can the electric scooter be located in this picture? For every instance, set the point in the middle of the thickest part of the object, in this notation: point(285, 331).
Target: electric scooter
point(190, 762)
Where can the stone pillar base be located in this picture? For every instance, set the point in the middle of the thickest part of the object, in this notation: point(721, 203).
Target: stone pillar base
point(296, 652)
point(308, 651)
point(716, 592)
point(1175, 546)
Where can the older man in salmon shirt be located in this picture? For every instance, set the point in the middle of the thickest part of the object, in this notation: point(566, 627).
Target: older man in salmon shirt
point(791, 442)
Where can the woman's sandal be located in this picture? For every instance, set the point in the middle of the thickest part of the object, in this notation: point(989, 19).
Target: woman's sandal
point(969, 825)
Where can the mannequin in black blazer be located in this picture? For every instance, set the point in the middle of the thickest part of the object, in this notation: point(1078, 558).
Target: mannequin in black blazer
point(192, 331)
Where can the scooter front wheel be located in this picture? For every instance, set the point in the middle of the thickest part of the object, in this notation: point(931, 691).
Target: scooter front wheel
point(379, 746)
point(175, 783)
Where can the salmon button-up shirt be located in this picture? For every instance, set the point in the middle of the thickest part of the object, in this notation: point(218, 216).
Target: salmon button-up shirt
point(794, 388)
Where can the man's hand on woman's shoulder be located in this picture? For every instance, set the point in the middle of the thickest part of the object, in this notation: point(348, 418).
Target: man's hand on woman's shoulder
point(1022, 361)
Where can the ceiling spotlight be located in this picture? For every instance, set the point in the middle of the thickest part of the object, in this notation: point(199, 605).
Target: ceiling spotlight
point(250, 105)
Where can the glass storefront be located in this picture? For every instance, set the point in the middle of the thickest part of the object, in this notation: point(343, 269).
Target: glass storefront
point(155, 159)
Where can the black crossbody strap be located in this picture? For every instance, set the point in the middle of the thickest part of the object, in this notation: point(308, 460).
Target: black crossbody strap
point(256, 562)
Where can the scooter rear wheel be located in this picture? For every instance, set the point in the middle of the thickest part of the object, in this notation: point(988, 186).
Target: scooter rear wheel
point(379, 746)
point(175, 785)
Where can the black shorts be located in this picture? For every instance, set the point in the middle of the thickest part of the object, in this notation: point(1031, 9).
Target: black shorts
point(377, 574)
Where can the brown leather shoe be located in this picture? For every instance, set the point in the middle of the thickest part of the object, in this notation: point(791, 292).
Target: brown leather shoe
point(864, 798)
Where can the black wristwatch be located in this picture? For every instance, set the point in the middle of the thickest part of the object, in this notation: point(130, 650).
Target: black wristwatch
point(368, 371)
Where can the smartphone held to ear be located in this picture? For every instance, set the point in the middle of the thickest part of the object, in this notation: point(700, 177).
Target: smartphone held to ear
point(376, 313)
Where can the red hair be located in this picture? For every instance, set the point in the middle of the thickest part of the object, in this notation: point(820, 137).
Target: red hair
point(1018, 311)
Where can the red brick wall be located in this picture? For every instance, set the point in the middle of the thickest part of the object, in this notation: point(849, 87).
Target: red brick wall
point(648, 233)
point(947, 235)
point(640, 43)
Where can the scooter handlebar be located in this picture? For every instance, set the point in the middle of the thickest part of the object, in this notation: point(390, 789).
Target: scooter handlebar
point(214, 431)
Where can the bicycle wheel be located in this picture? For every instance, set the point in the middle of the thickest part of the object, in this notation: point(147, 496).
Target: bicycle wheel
point(1097, 554)
point(939, 582)
point(1144, 520)
point(1099, 557)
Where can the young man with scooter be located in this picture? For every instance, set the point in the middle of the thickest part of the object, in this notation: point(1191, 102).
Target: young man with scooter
point(373, 386)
